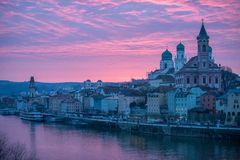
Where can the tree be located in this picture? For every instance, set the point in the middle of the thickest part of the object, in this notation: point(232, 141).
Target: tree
point(229, 79)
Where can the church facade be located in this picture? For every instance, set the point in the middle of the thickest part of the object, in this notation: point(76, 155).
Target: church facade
point(200, 70)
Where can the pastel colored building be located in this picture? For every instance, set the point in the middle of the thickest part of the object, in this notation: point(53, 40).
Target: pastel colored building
point(208, 101)
point(155, 101)
point(70, 106)
point(230, 105)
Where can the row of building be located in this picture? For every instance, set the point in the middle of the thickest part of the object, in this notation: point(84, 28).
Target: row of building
point(183, 90)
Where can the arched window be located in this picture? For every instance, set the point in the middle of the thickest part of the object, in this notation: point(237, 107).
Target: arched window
point(165, 65)
point(204, 48)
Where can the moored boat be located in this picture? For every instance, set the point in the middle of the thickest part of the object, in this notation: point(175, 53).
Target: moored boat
point(32, 116)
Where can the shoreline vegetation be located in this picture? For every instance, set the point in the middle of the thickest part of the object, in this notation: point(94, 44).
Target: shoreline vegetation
point(14, 151)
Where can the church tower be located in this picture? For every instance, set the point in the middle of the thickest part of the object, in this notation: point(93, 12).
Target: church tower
point(203, 48)
point(32, 87)
point(166, 62)
point(180, 58)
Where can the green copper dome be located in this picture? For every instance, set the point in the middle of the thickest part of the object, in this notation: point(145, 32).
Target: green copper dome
point(180, 47)
point(166, 55)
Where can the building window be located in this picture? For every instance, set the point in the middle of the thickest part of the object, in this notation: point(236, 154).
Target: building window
point(204, 48)
point(165, 65)
point(216, 80)
point(233, 106)
point(210, 80)
point(233, 113)
point(188, 80)
point(204, 64)
point(195, 80)
point(204, 80)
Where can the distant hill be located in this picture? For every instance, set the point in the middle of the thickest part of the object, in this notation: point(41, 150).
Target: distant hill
point(14, 88)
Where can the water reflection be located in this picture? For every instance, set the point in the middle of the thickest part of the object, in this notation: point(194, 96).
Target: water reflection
point(51, 141)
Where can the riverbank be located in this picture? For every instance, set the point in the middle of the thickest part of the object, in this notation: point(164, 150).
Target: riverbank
point(195, 131)
point(206, 132)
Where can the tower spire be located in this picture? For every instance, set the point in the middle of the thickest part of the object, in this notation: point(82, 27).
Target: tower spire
point(203, 32)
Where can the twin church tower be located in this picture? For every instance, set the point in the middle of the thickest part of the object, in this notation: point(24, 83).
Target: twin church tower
point(200, 70)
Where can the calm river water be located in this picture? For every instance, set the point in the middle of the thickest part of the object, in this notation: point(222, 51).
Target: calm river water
point(62, 142)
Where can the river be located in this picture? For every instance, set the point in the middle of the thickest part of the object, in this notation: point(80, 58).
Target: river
point(64, 142)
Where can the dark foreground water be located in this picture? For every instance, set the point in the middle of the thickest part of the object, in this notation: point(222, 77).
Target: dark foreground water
point(62, 142)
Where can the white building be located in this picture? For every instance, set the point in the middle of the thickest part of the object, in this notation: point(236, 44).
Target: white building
point(155, 101)
point(70, 106)
point(99, 84)
point(162, 80)
point(87, 84)
point(229, 104)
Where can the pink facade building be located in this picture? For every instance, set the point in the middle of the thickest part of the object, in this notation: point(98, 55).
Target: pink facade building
point(200, 70)
point(208, 101)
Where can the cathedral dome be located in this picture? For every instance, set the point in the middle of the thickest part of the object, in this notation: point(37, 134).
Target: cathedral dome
point(180, 47)
point(166, 55)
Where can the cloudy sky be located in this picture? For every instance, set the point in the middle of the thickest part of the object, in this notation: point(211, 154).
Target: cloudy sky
point(111, 40)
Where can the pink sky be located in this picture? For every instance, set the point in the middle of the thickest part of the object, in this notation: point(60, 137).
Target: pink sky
point(110, 40)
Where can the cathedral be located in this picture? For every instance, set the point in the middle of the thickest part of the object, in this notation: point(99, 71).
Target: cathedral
point(200, 70)
point(167, 64)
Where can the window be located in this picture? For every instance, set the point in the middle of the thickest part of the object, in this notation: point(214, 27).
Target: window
point(233, 106)
point(204, 64)
point(233, 113)
point(195, 80)
point(165, 65)
point(210, 80)
point(204, 48)
point(188, 80)
point(216, 80)
point(204, 80)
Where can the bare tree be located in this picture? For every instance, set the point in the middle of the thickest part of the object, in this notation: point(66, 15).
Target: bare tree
point(229, 79)
point(13, 151)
